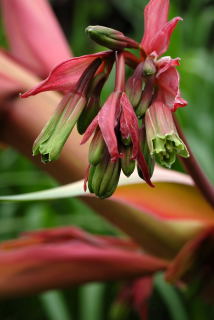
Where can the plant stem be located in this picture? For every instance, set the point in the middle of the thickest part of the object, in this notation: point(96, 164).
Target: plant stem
point(120, 72)
point(193, 168)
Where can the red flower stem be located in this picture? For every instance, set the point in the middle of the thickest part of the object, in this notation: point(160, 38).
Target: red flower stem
point(120, 72)
point(193, 168)
point(131, 60)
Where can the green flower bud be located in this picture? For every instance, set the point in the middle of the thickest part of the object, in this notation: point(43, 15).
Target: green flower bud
point(145, 101)
point(93, 104)
point(97, 148)
point(134, 85)
point(89, 113)
point(149, 68)
point(110, 38)
point(144, 148)
point(54, 135)
point(103, 178)
point(162, 137)
point(127, 163)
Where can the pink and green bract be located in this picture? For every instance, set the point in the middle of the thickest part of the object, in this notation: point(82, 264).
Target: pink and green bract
point(122, 138)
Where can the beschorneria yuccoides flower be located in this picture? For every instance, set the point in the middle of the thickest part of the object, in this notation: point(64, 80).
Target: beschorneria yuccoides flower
point(135, 124)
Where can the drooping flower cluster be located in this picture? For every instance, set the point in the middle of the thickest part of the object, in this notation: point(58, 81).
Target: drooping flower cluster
point(135, 124)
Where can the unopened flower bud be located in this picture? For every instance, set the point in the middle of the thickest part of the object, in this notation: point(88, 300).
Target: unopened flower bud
point(134, 85)
point(110, 38)
point(97, 148)
point(162, 137)
point(54, 135)
point(93, 104)
point(145, 100)
point(90, 111)
point(103, 178)
point(150, 161)
point(149, 68)
point(127, 163)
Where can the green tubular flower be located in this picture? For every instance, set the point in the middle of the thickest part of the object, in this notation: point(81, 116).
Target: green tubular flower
point(54, 135)
point(103, 178)
point(144, 148)
point(97, 148)
point(162, 137)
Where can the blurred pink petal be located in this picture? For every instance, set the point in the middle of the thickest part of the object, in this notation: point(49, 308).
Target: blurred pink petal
point(66, 74)
point(35, 37)
point(135, 295)
point(46, 263)
point(8, 86)
point(194, 263)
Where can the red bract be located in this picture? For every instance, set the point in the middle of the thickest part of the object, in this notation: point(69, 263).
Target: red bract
point(157, 30)
point(107, 120)
point(129, 124)
point(117, 105)
point(65, 76)
point(157, 33)
point(168, 81)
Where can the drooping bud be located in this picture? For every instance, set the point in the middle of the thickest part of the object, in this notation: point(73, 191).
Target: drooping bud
point(110, 38)
point(54, 135)
point(149, 68)
point(162, 137)
point(147, 156)
point(93, 104)
point(127, 162)
point(146, 99)
point(103, 177)
point(89, 113)
point(134, 85)
point(97, 148)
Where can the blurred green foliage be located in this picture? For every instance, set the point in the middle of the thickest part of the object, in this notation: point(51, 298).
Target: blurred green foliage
point(193, 41)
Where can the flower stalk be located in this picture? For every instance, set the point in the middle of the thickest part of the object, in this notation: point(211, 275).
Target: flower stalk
point(193, 168)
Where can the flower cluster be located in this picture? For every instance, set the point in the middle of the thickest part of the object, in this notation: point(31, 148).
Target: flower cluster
point(135, 125)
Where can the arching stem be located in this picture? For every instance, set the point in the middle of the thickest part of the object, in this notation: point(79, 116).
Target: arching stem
point(193, 168)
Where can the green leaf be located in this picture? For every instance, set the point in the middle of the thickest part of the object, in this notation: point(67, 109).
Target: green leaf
point(171, 298)
point(91, 298)
point(76, 188)
point(55, 306)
